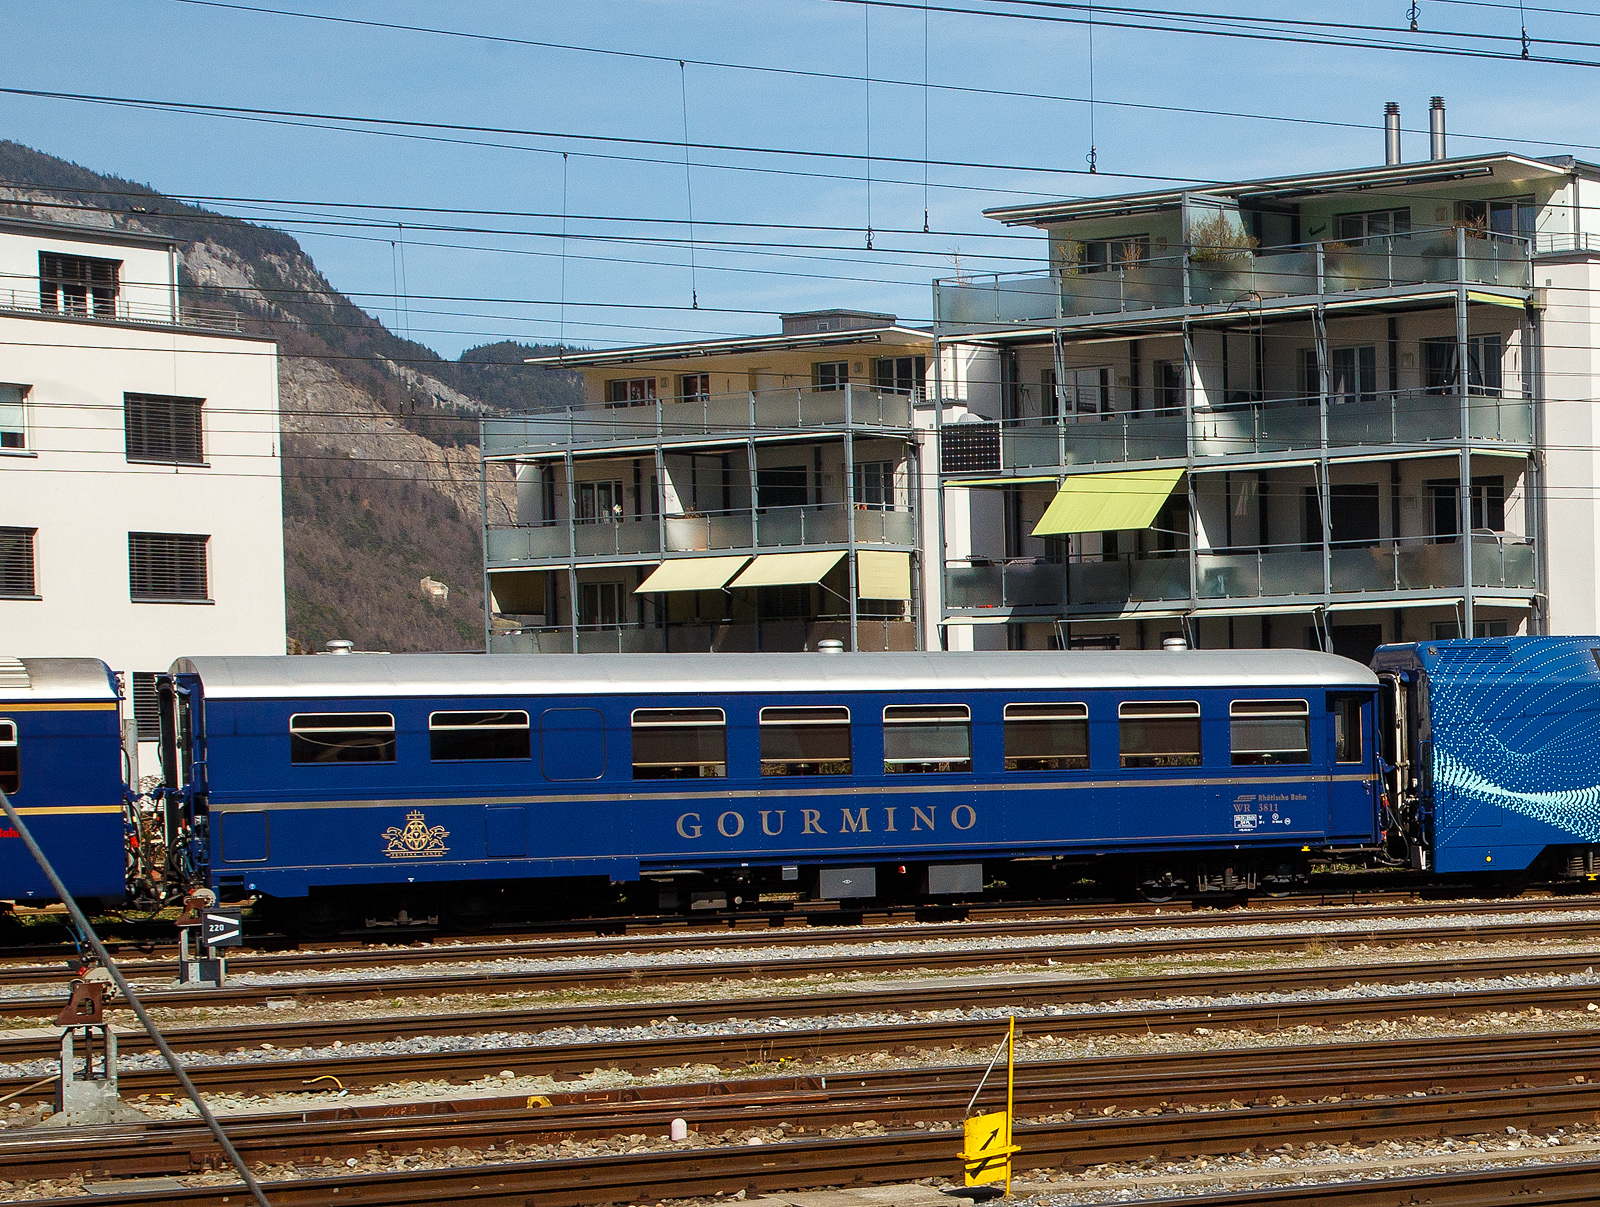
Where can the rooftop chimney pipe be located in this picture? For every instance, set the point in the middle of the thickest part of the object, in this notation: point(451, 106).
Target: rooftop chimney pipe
point(1436, 128)
point(1391, 132)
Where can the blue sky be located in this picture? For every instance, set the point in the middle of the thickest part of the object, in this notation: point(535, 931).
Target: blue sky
point(505, 279)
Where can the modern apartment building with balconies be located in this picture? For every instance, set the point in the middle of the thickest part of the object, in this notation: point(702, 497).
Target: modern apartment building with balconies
point(1333, 409)
point(759, 493)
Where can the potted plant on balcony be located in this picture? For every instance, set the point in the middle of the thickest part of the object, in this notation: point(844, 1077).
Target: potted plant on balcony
point(1222, 256)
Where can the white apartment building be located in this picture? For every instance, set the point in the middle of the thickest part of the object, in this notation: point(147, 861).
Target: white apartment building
point(141, 505)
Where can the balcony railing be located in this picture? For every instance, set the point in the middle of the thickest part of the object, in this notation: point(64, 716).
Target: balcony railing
point(1229, 277)
point(756, 413)
point(21, 296)
point(873, 634)
point(727, 531)
point(1499, 562)
point(1254, 429)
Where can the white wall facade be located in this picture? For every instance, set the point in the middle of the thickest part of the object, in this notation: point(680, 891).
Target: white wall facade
point(75, 486)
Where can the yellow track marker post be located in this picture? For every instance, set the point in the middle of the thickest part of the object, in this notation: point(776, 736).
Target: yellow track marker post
point(986, 1148)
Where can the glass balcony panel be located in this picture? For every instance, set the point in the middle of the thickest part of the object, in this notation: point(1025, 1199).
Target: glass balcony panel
point(969, 587)
point(1421, 566)
point(820, 409)
point(1370, 568)
point(1152, 579)
point(1150, 437)
point(1030, 444)
point(1153, 284)
point(1285, 274)
point(1505, 562)
point(1259, 576)
point(821, 525)
point(1427, 258)
point(1497, 262)
point(1100, 582)
point(875, 527)
point(1093, 440)
point(526, 544)
point(1506, 419)
point(1369, 422)
point(1034, 585)
point(595, 540)
point(727, 412)
point(1223, 282)
point(1093, 292)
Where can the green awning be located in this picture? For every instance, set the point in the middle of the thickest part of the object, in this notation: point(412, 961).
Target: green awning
point(1496, 299)
point(692, 574)
point(1107, 502)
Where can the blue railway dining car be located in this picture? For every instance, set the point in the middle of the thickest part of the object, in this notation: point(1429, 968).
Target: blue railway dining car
point(1492, 753)
point(61, 763)
point(363, 782)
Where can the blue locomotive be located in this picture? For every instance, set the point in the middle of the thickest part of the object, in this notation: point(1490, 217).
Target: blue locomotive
point(364, 784)
point(61, 763)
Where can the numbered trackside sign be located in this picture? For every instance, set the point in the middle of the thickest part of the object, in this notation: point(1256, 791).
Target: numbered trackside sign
point(222, 928)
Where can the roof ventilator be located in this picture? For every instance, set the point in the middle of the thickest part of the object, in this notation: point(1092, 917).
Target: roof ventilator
point(1391, 133)
point(1174, 643)
point(338, 646)
point(1436, 128)
point(830, 645)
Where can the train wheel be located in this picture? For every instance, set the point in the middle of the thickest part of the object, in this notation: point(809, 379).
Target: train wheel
point(1162, 888)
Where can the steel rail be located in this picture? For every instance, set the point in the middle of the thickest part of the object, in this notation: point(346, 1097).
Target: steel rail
point(1022, 993)
point(778, 967)
point(895, 1099)
point(759, 1050)
point(904, 1156)
point(456, 949)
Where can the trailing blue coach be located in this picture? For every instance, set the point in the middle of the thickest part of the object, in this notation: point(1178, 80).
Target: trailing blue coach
point(61, 763)
point(362, 783)
point(1492, 753)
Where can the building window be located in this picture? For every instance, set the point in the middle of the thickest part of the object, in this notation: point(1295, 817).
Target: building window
point(926, 737)
point(600, 605)
point(902, 373)
point(1169, 387)
point(10, 758)
point(1508, 216)
point(680, 743)
point(600, 502)
point(631, 392)
point(1372, 223)
point(167, 566)
point(1098, 255)
point(1485, 355)
point(805, 741)
point(16, 563)
point(1082, 392)
point(1163, 733)
point(875, 484)
point(341, 737)
point(479, 735)
point(1047, 737)
point(1265, 733)
point(831, 374)
point(13, 418)
point(782, 486)
point(1488, 506)
point(159, 428)
point(146, 706)
point(1352, 374)
point(82, 285)
point(694, 387)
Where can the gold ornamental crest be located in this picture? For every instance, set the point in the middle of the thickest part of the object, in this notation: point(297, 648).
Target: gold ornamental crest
point(416, 839)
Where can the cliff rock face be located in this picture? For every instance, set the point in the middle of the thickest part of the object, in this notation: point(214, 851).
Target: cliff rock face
point(381, 484)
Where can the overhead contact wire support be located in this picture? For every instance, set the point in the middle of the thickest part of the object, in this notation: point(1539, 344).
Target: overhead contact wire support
point(688, 182)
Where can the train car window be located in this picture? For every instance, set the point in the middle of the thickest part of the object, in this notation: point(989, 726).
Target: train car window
point(1047, 737)
point(1159, 733)
point(10, 758)
point(503, 734)
point(926, 737)
point(679, 743)
point(341, 737)
point(805, 741)
point(1268, 732)
point(1346, 729)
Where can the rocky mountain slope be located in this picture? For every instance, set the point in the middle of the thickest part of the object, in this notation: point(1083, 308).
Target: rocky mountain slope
point(380, 460)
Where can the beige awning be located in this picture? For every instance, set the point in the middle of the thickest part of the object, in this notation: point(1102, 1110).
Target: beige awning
point(882, 575)
point(1107, 502)
point(692, 574)
point(788, 569)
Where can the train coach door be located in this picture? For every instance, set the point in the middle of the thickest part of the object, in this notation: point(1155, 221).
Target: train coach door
point(1406, 751)
point(177, 755)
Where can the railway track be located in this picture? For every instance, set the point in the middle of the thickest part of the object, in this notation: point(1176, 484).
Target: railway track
point(906, 1155)
point(488, 949)
point(463, 1063)
point(856, 963)
point(1474, 1071)
point(1020, 994)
